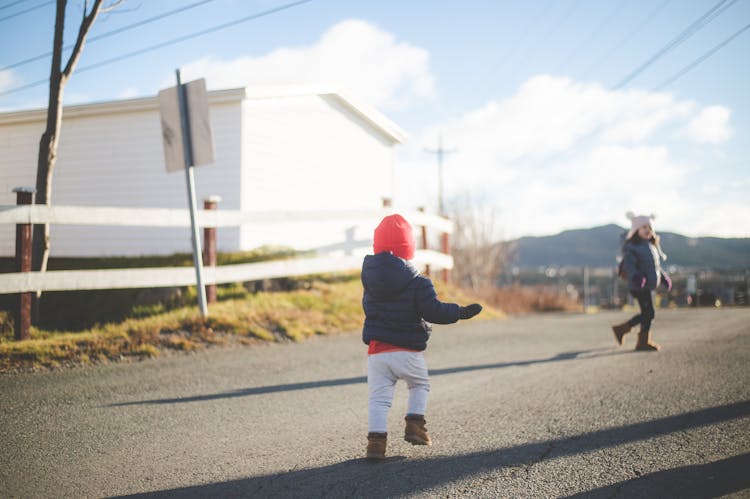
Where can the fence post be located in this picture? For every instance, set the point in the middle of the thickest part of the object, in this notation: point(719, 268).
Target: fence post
point(424, 242)
point(445, 248)
point(586, 290)
point(24, 196)
point(209, 246)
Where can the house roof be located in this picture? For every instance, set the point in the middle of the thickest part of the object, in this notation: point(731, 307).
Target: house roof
point(370, 115)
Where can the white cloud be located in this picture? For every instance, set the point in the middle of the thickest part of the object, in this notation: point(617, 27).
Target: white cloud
point(560, 154)
point(636, 115)
point(551, 115)
point(129, 93)
point(353, 54)
point(595, 187)
point(711, 125)
point(546, 115)
point(8, 80)
point(722, 220)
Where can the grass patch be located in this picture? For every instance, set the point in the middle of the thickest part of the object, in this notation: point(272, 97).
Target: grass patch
point(327, 304)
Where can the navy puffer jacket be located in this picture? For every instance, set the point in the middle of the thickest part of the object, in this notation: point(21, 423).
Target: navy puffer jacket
point(399, 302)
point(640, 259)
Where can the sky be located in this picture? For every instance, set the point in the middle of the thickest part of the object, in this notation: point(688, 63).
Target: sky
point(554, 114)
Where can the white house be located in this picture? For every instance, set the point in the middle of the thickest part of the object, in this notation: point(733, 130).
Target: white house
point(275, 149)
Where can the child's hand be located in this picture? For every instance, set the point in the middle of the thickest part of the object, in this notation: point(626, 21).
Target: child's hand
point(638, 282)
point(469, 311)
point(667, 281)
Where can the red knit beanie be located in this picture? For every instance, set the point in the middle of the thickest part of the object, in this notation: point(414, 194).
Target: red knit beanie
point(394, 235)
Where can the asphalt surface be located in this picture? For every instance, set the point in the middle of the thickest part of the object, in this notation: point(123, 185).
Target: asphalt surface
point(540, 406)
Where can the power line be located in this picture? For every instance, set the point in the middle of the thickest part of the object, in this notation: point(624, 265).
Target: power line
point(597, 29)
point(512, 49)
point(11, 4)
point(700, 59)
point(166, 43)
point(93, 39)
point(560, 21)
point(684, 35)
point(524, 59)
point(440, 152)
point(21, 12)
point(701, 22)
point(642, 24)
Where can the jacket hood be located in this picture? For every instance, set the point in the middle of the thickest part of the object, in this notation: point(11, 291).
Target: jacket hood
point(385, 275)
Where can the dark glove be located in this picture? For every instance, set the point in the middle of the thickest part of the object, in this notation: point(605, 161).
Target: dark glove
point(469, 311)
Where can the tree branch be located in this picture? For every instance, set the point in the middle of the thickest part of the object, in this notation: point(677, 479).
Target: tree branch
point(88, 20)
point(111, 6)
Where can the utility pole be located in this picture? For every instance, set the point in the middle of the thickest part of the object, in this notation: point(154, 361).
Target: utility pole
point(440, 152)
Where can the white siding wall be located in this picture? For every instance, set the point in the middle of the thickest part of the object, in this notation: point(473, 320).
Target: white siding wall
point(117, 160)
point(307, 152)
point(19, 146)
point(310, 152)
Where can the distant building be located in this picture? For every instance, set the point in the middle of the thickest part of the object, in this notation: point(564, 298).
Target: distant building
point(276, 149)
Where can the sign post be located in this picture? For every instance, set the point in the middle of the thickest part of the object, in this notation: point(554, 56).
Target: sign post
point(188, 143)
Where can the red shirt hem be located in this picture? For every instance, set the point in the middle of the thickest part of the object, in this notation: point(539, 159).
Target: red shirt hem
point(381, 346)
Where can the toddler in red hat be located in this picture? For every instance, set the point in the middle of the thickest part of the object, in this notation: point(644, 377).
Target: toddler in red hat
point(399, 305)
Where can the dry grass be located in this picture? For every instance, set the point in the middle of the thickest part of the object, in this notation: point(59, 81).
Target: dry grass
point(523, 300)
point(326, 305)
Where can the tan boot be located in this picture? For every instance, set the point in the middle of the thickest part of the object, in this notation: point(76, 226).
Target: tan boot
point(620, 330)
point(376, 445)
point(645, 344)
point(416, 433)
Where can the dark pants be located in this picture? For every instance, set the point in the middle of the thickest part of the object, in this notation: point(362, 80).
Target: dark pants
point(647, 310)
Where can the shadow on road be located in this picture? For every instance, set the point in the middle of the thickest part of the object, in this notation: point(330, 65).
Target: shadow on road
point(401, 477)
point(260, 390)
point(700, 480)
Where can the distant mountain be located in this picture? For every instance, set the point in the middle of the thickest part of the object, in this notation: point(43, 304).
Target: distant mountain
point(599, 247)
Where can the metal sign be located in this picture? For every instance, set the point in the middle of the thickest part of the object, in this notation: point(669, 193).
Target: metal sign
point(198, 121)
point(186, 131)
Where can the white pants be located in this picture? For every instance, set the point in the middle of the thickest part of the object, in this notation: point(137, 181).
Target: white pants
point(383, 370)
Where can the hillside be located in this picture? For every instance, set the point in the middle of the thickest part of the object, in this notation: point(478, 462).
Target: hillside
point(599, 246)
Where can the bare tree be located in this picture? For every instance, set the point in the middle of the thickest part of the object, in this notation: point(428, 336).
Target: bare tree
point(477, 252)
point(59, 76)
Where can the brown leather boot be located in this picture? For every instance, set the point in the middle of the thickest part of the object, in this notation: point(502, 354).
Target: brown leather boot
point(620, 330)
point(645, 344)
point(416, 433)
point(376, 445)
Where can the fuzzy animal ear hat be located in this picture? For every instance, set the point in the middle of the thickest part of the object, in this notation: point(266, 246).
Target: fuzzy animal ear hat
point(638, 221)
point(394, 235)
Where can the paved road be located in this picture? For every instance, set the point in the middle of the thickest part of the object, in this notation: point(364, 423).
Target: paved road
point(542, 406)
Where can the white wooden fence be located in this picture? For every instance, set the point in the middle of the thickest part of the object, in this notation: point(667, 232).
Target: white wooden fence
point(69, 280)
